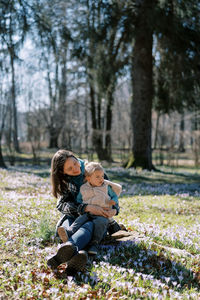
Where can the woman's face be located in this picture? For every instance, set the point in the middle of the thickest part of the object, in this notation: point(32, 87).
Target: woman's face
point(72, 167)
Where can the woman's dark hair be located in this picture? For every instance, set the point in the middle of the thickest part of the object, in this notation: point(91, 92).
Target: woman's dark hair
point(58, 178)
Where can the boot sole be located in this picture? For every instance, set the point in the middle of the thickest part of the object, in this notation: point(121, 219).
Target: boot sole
point(62, 234)
point(64, 254)
point(92, 252)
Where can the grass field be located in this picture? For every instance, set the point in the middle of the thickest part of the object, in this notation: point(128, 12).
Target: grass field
point(162, 262)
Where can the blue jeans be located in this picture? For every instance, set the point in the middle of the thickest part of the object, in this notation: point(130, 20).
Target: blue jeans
point(82, 236)
point(100, 226)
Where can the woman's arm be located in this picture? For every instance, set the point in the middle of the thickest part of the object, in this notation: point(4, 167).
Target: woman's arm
point(66, 203)
point(67, 207)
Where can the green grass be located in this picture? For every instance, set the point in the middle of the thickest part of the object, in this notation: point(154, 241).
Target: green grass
point(161, 208)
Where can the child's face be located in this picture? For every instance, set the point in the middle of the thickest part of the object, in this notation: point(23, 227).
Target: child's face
point(96, 179)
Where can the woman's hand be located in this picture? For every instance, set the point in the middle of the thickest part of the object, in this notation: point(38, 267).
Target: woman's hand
point(99, 211)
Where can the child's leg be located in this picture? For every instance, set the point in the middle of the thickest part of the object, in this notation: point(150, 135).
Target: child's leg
point(65, 232)
point(77, 224)
point(83, 235)
point(62, 233)
point(113, 226)
point(63, 227)
point(100, 227)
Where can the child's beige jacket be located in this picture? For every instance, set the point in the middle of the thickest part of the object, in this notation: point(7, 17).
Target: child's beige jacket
point(99, 195)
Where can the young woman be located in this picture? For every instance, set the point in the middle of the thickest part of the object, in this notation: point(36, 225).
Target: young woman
point(67, 176)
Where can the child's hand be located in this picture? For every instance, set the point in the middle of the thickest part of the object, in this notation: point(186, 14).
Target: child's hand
point(111, 213)
point(97, 210)
point(111, 202)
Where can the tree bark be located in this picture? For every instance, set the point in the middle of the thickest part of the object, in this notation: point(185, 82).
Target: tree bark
point(141, 107)
point(181, 146)
point(108, 142)
point(14, 108)
point(3, 114)
point(103, 149)
point(53, 138)
point(97, 132)
point(156, 130)
point(2, 163)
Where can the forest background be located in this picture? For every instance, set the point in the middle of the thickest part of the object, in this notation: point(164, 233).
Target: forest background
point(115, 79)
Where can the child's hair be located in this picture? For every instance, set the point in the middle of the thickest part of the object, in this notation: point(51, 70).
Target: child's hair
point(91, 167)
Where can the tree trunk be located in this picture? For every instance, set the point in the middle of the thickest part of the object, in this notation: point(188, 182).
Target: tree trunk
point(53, 138)
point(58, 112)
point(102, 149)
point(97, 132)
point(156, 130)
point(2, 163)
point(97, 140)
point(141, 107)
point(108, 142)
point(14, 108)
point(181, 146)
point(3, 114)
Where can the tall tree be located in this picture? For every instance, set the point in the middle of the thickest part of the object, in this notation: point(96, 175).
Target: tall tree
point(14, 27)
point(142, 67)
point(3, 113)
point(178, 34)
point(54, 38)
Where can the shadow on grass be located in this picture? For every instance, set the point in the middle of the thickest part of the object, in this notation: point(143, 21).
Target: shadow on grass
point(158, 176)
point(41, 171)
point(154, 177)
point(135, 260)
point(193, 177)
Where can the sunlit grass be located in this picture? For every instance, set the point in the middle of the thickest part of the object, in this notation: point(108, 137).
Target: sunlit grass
point(163, 209)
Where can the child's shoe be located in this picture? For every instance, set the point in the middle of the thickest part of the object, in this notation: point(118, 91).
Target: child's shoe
point(93, 250)
point(62, 234)
point(113, 227)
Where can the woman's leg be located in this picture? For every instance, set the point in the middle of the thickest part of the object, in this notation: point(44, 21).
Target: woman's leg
point(70, 251)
